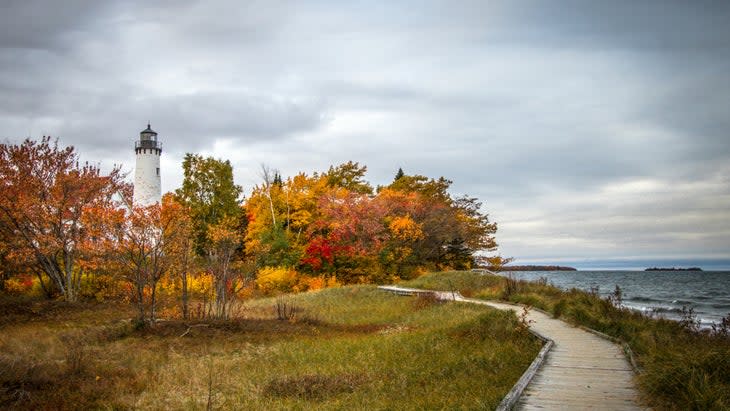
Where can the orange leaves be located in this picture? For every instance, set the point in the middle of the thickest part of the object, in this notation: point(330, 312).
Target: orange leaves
point(49, 205)
point(224, 232)
point(405, 229)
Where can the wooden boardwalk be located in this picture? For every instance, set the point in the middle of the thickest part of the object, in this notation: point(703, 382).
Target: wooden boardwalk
point(582, 370)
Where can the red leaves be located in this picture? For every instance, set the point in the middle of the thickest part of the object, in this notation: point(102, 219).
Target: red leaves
point(322, 251)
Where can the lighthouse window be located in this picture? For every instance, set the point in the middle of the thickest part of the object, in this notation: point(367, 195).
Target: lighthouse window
point(158, 171)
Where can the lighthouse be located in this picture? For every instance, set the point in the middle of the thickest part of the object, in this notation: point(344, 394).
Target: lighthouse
point(147, 188)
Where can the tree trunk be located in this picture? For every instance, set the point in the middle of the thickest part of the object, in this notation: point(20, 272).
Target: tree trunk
point(185, 309)
point(47, 291)
point(140, 301)
point(153, 303)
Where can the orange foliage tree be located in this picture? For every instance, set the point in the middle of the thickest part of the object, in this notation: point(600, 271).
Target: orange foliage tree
point(179, 245)
point(45, 195)
point(141, 256)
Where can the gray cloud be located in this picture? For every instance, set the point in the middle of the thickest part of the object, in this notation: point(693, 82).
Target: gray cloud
point(38, 24)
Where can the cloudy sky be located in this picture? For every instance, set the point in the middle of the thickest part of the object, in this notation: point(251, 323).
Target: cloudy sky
point(595, 133)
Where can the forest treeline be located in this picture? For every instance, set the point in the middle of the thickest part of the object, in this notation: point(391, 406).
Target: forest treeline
point(536, 268)
point(71, 231)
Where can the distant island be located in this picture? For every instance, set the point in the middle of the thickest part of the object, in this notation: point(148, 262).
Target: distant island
point(537, 268)
point(673, 269)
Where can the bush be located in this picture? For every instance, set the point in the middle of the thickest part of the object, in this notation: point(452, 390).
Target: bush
point(102, 287)
point(271, 279)
point(559, 308)
point(22, 284)
point(307, 283)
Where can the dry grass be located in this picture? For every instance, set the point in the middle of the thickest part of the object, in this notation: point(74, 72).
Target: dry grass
point(352, 347)
point(313, 386)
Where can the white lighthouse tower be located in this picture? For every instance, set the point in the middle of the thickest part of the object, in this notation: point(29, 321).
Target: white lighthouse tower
point(147, 188)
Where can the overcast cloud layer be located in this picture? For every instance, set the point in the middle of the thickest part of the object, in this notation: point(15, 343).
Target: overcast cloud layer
point(591, 130)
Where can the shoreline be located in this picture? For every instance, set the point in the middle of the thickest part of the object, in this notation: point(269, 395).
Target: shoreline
point(660, 294)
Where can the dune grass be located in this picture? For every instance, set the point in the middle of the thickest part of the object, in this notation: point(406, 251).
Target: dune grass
point(682, 367)
point(343, 348)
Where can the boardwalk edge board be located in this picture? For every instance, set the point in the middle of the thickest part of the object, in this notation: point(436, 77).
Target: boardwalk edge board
point(514, 395)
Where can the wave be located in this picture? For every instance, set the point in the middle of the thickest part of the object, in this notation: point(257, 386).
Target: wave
point(708, 294)
point(705, 319)
point(644, 299)
point(666, 310)
point(653, 308)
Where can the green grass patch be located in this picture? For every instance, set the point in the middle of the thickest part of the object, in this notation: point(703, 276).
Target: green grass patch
point(469, 284)
point(683, 368)
point(349, 347)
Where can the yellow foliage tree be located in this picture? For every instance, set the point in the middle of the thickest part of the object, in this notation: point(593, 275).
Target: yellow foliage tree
point(270, 279)
point(223, 240)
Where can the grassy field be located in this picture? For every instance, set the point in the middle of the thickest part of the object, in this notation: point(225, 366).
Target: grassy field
point(683, 368)
point(342, 348)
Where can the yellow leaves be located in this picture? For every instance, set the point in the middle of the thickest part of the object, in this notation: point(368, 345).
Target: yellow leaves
point(284, 279)
point(18, 285)
point(294, 204)
point(270, 279)
point(300, 219)
point(405, 229)
point(201, 284)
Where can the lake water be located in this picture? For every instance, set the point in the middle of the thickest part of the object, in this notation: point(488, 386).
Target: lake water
point(661, 292)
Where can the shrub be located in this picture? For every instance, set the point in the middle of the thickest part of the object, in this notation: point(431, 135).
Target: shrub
point(424, 300)
point(511, 286)
point(22, 284)
point(285, 310)
point(270, 279)
point(102, 287)
point(559, 308)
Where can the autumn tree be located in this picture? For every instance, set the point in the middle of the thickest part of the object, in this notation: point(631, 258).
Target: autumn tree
point(429, 188)
point(278, 217)
point(9, 267)
point(17, 264)
point(399, 174)
point(179, 244)
point(454, 228)
point(212, 198)
point(209, 192)
point(349, 176)
point(142, 258)
point(346, 236)
point(44, 195)
point(224, 242)
point(398, 256)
